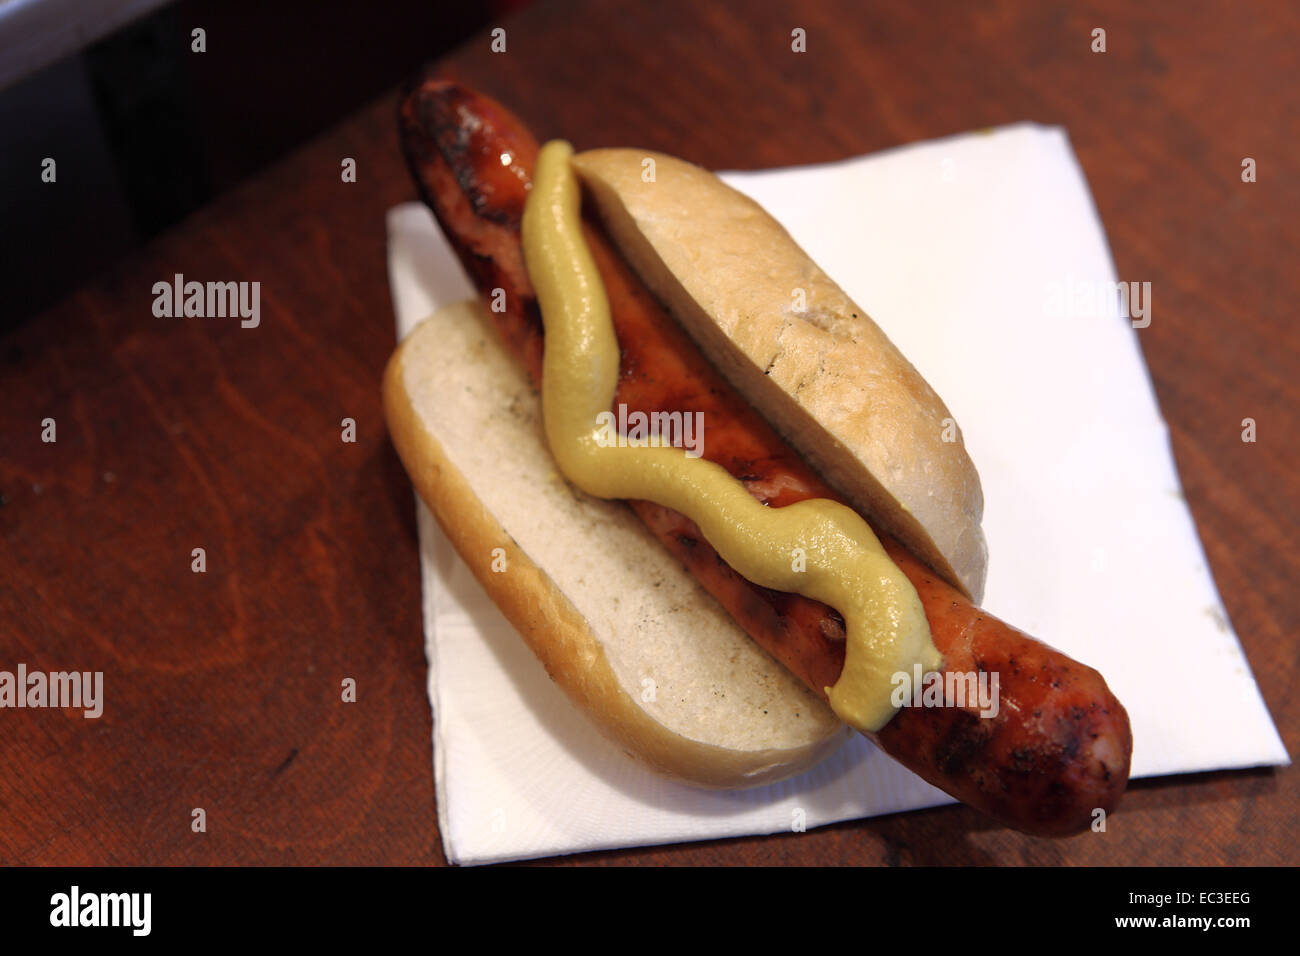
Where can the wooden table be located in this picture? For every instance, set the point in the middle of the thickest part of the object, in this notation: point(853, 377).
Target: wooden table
point(223, 688)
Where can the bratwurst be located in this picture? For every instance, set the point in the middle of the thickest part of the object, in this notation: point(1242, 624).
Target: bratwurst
point(1058, 747)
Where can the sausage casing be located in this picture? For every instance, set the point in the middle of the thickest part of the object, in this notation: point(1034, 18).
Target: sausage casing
point(1058, 747)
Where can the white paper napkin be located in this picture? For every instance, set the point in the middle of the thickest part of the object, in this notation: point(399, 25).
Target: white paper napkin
point(979, 255)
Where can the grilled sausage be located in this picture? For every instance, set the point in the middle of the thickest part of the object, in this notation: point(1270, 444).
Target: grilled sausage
point(1058, 748)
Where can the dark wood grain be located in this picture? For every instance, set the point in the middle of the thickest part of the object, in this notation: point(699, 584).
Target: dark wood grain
point(224, 688)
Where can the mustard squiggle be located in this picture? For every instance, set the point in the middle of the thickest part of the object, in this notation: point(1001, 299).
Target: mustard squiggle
point(843, 562)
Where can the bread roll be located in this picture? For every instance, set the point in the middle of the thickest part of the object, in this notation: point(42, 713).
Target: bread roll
point(825, 376)
point(597, 598)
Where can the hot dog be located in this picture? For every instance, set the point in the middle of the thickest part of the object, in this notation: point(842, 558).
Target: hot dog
point(1057, 749)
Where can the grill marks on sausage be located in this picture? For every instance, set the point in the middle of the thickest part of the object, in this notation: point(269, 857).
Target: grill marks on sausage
point(1060, 744)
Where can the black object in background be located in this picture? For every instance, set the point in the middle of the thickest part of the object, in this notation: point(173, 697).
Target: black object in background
point(143, 130)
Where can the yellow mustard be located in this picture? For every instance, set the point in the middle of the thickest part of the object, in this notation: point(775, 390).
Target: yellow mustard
point(818, 548)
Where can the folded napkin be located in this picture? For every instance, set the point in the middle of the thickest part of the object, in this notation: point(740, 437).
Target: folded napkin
point(983, 258)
